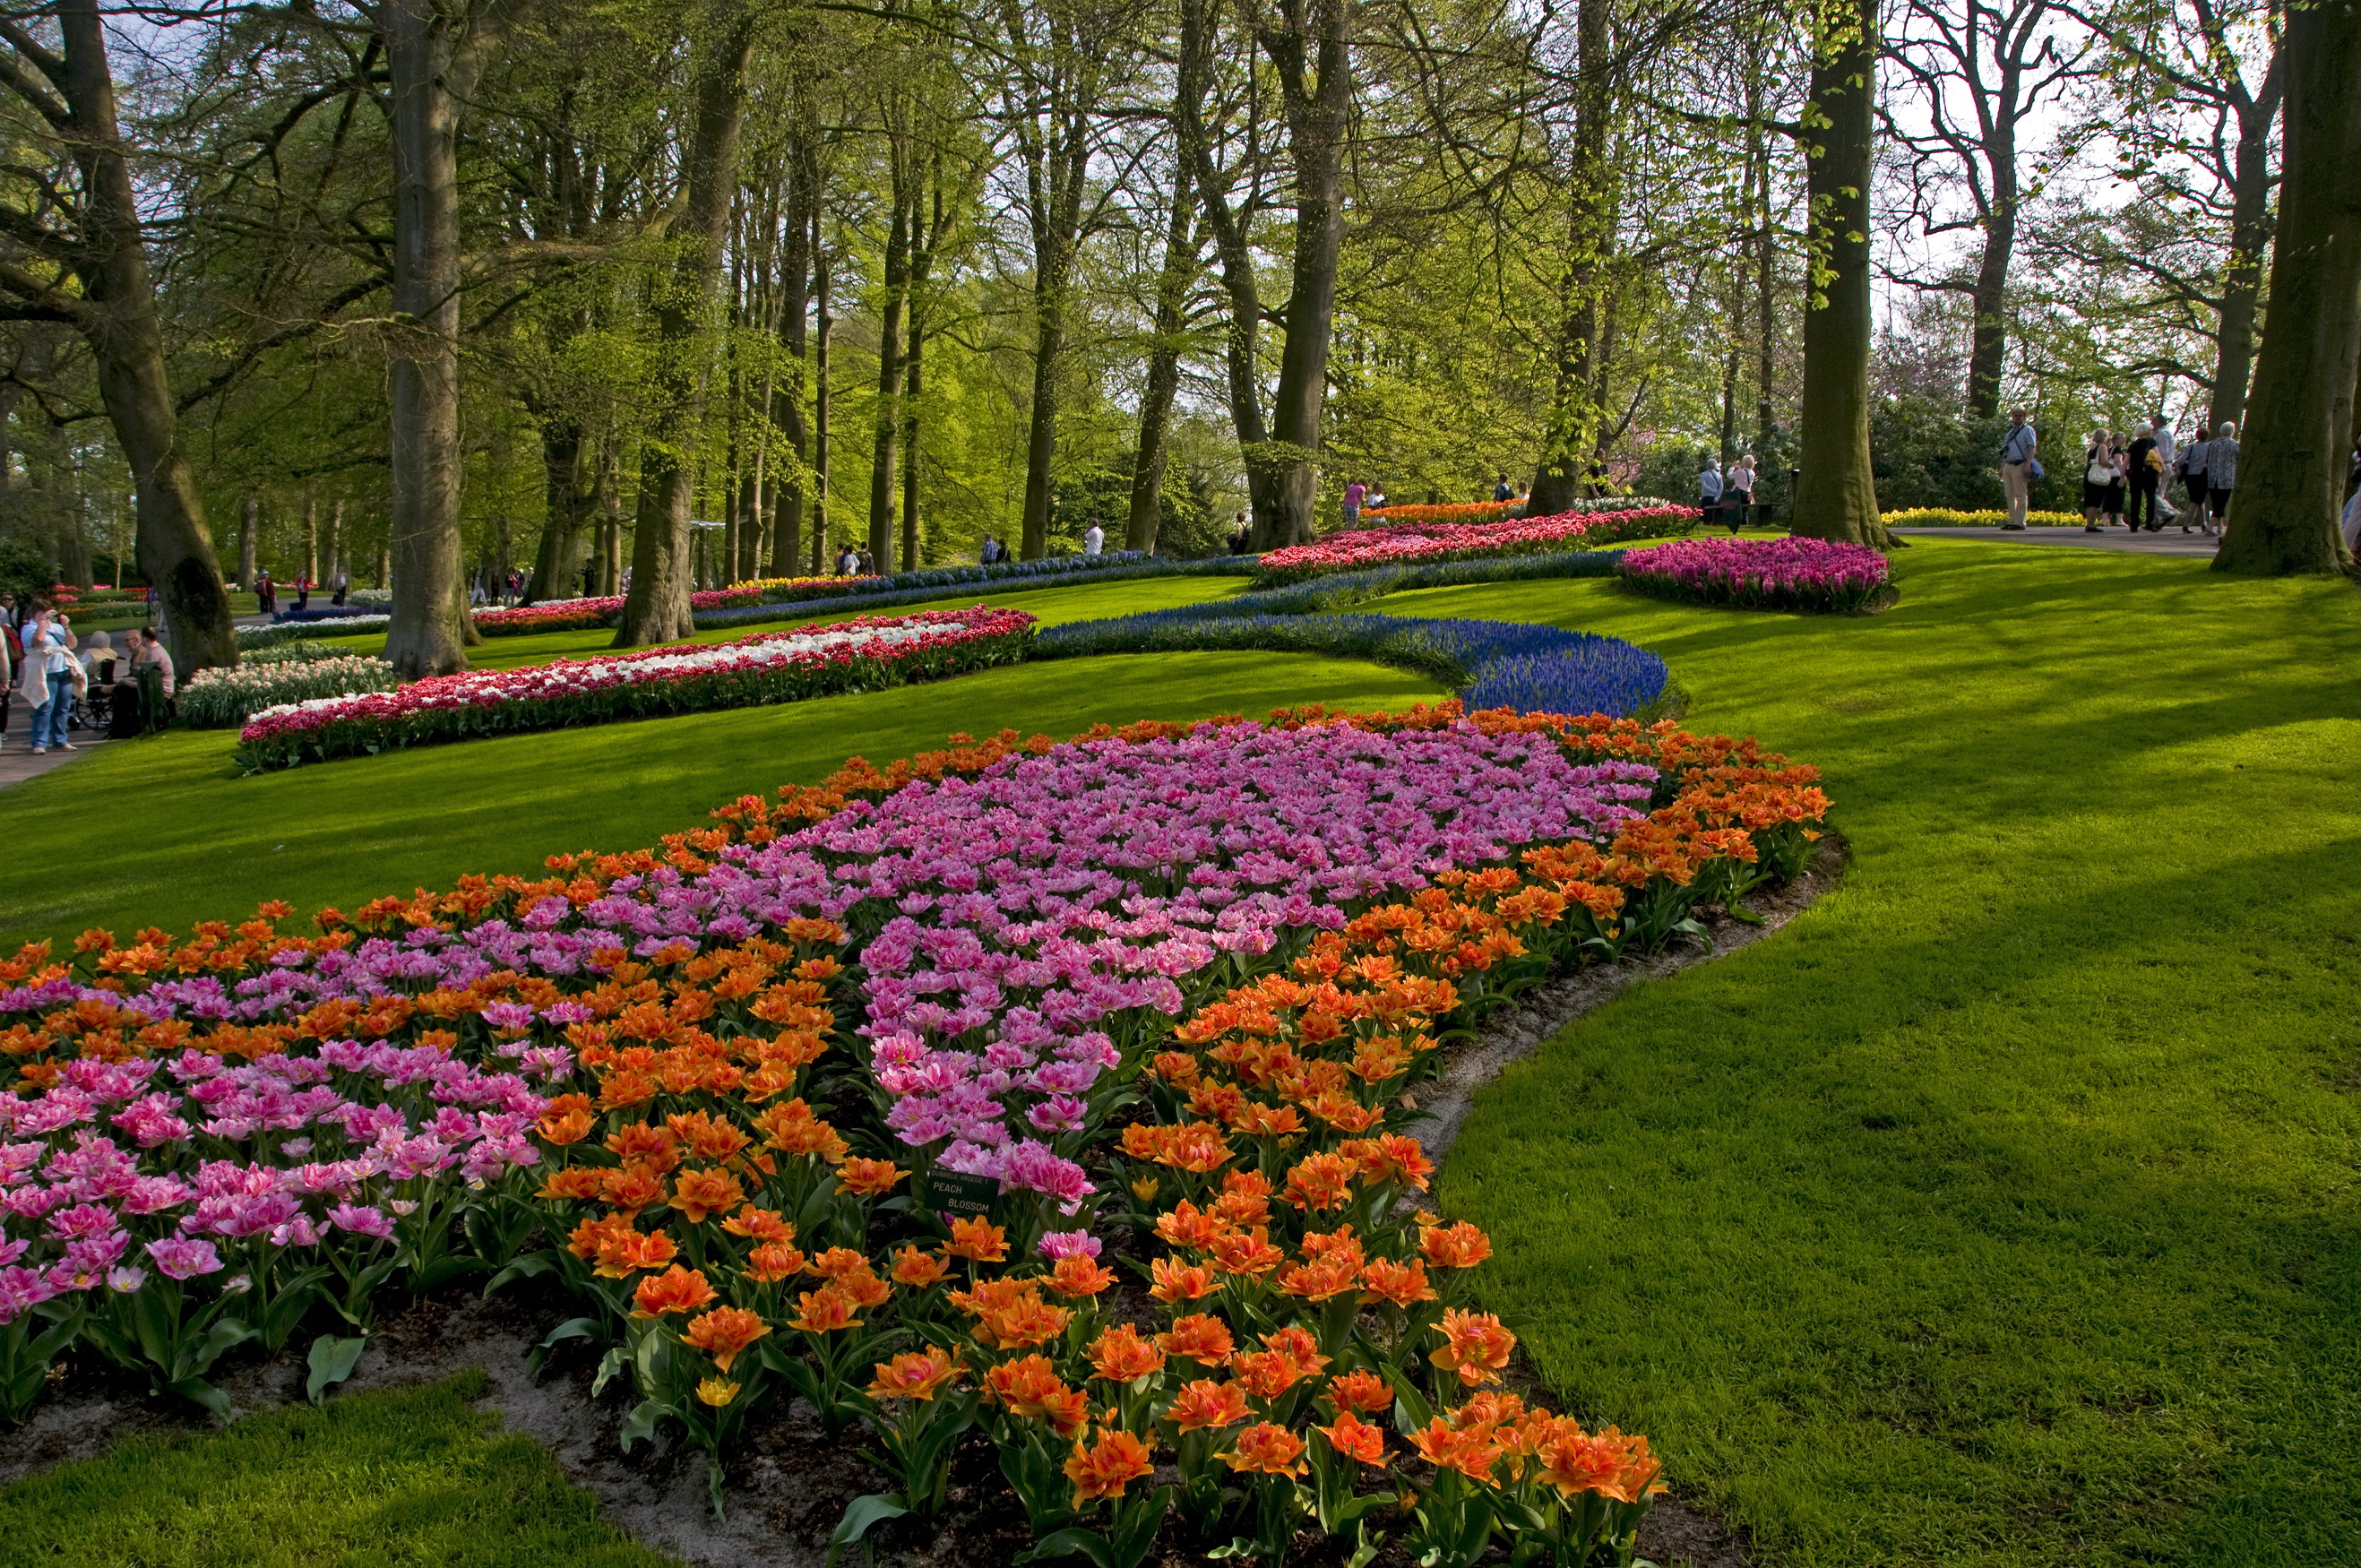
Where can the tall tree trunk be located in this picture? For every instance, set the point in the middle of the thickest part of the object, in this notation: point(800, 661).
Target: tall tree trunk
point(1837, 497)
point(1766, 320)
point(825, 329)
point(913, 383)
point(2292, 474)
point(656, 609)
point(1988, 338)
point(888, 428)
point(430, 627)
point(176, 552)
point(250, 524)
point(1314, 73)
point(335, 550)
point(311, 538)
point(2250, 235)
point(1241, 345)
point(1173, 281)
point(565, 505)
point(1041, 433)
point(1570, 435)
point(787, 396)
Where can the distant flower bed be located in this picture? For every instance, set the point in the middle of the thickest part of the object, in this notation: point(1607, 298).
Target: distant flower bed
point(786, 666)
point(300, 653)
point(1939, 517)
point(251, 637)
point(567, 615)
point(219, 698)
point(1760, 574)
point(1449, 511)
point(1586, 529)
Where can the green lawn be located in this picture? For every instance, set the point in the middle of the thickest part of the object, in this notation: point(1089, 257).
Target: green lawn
point(2000, 1211)
point(411, 1479)
point(1051, 605)
point(164, 832)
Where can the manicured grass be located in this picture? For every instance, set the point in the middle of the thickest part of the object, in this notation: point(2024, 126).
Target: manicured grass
point(2001, 1209)
point(412, 1477)
point(164, 832)
point(1051, 605)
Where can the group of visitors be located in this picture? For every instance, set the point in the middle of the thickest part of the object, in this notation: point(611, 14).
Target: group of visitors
point(2128, 480)
point(852, 562)
point(1727, 498)
point(1360, 495)
point(2125, 478)
point(66, 688)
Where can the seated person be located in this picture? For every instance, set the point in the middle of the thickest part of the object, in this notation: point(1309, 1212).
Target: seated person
point(151, 656)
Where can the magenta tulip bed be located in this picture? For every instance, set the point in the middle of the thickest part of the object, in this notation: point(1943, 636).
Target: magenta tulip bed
point(1763, 573)
point(1588, 527)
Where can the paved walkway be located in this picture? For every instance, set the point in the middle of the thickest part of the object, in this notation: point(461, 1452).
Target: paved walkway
point(2171, 541)
point(17, 762)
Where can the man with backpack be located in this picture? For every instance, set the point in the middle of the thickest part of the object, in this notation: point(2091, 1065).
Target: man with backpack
point(2019, 466)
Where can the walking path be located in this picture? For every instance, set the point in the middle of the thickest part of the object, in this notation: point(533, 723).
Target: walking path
point(2171, 541)
point(17, 762)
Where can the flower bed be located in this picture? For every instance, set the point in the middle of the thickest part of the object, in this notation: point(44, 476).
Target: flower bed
point(217, 698)
point(277, 632)
point(1939, 517)
point(568, 615)
point(784, 666)
point(1490, 663)
point(300, 653)
point(1172, 986)
point(1408, 516)
point(1581, 529)
point(1760, 574)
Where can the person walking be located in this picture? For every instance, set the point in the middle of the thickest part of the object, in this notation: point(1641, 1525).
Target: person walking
point(49, 679)
point(2192, 476)
point(2221, 472)
point(1738, 492)
point(1355, 492)
point(1094, 539)
point(9, 654)
point(1240, 536)
point(1709, 484)
point(266, 594)
point(2145, 473)
point(2098, 473)
point(1502, 491)
point(2020, 465)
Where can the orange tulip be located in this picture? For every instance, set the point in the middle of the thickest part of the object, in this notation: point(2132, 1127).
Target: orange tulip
point(724, 1333)
point(1355, 1438)
point(868, 1177)
point(1403, 1283)
point(1120, 1355)
point(1107, 1466)
point(773, 1261)
point(677, 1289)
point(1206, 1405)
point(1361, 1392)
point(1267, 1449)
point(1076, 1277)
point(1176, 1282)
point(914, 1375)
point(1455, 1246)
point(696, 1193)
point(1199, 1337)
point(916, 1270)
point(1474, 1345)
point(824, 1310)
point(978, 1240)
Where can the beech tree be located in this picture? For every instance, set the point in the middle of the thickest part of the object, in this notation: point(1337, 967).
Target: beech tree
point(2298, 444)
point(1837, 495)
point(73, 252)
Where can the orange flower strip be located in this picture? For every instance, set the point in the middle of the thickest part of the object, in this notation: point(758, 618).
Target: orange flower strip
point(1606, 1463)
